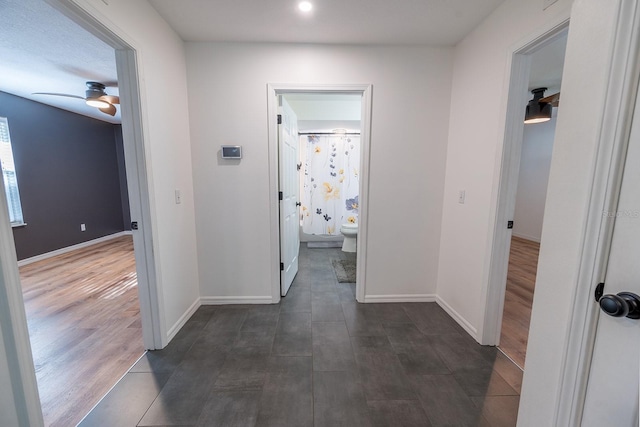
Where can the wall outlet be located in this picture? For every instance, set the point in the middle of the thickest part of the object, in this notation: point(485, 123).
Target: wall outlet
point(461, 196)
point(83, 227)
point(547, 3)
point(178, 197)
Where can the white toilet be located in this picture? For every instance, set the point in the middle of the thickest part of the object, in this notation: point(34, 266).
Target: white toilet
point(350, 233)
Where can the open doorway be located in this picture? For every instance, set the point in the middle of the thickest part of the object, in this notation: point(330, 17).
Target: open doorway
point(545, 78)
point(87, 296)
point(328, 174)
point(316, 107)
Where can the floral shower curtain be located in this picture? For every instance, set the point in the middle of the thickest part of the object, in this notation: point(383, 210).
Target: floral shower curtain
point(330, 182)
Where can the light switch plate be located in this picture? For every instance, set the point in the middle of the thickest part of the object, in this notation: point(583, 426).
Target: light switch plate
point(547, 3)
point(461, 196)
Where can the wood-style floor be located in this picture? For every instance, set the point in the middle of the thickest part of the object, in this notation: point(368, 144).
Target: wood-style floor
point(84, 324)
point(521, 280)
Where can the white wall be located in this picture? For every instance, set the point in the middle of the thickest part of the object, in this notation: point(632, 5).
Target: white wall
point(476, 131)
point(162, 75)
point(535, 162)
point(411, 90)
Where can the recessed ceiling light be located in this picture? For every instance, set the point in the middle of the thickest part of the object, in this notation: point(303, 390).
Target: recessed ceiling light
point(305, 6)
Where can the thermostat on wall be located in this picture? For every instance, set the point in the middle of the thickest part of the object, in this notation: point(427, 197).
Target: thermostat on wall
point(231, 151)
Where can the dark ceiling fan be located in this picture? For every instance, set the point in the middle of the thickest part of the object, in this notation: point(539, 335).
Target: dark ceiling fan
point(539, 109)
point(95, 96)
point(554, 99)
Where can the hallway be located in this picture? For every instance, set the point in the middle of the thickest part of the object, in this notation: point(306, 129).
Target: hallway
point(317, 358)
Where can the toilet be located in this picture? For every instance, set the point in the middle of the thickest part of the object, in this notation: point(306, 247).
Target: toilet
point(350, 233)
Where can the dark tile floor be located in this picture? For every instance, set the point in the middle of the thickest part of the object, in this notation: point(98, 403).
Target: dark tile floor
point(317, 359)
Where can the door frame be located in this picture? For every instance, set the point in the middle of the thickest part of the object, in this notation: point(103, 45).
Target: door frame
point(613, 99)
point(15, 332)
point(273, 90)
point(619, 102)
point(494, 292)
point(151, 309)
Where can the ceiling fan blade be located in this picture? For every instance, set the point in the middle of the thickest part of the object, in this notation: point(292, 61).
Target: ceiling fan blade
point(110, 110)
point(58, 94)
point(111, 99)
point(554, 99)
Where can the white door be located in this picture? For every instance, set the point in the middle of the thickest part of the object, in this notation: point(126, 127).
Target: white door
point(288, 141)
point(612, 391)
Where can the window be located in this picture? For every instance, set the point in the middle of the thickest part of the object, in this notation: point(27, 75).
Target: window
point(9, 175)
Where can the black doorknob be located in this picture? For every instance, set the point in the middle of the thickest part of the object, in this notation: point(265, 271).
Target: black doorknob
point(624, 304)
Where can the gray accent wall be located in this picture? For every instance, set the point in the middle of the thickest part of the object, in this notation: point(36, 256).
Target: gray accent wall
point(68, 174)
point(122, 174)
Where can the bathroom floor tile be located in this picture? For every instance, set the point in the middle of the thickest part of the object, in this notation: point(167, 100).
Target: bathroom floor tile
point(339, 400)
point(287, 397)
point(318, 358)
point(383, 377)
point(230, 409)
point(398, 413)
point(332, 347)
point(128, 401)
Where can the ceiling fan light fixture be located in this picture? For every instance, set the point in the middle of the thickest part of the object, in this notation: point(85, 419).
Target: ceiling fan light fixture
point(536, 111)
point(98, 103)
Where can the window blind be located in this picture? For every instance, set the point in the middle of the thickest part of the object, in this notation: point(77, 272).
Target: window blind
point(9, 174)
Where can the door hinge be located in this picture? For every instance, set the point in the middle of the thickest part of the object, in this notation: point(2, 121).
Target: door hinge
point(599, 291)
point(282, 266)
point(279, 119)
point(134, 225)
point(280, 195)
point(509, 224)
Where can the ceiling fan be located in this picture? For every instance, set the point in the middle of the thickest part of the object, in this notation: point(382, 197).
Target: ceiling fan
point(554, 99)
point(539, 109)
point(95, 96)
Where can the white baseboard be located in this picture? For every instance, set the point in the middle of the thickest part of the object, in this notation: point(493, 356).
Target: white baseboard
point(182, 320)
point(458, 318)
point(71, 248)
point(235, 300)
point(525, 237)
point(400, 298)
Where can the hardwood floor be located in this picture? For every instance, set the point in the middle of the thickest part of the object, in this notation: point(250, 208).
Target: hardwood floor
point(521, 279)
point(84, 324)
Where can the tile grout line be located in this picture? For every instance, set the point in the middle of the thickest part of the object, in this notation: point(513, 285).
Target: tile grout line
point(114, 386)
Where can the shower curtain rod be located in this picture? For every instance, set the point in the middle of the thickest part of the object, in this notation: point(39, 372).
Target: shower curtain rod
point(328, 133)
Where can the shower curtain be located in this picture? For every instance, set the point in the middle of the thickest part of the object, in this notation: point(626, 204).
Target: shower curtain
point(330, 182)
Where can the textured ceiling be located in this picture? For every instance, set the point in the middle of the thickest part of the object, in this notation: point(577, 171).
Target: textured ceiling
point(433, 22)
point(41, 50)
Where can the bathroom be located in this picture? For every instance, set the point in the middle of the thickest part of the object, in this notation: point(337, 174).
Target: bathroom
point(329, 172)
